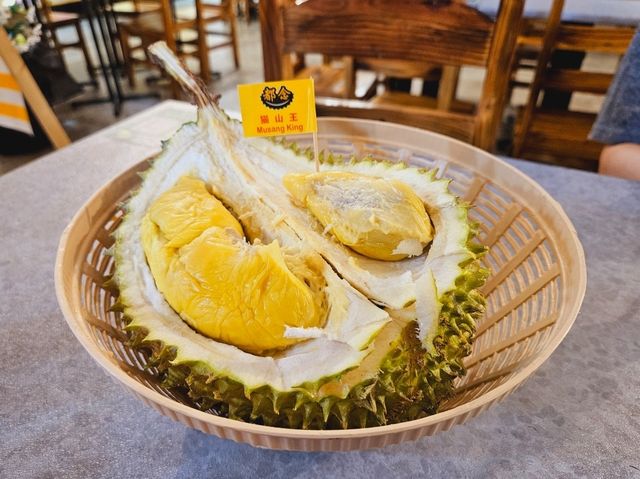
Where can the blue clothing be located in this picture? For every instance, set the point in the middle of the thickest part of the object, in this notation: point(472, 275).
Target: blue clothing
point(619, 118)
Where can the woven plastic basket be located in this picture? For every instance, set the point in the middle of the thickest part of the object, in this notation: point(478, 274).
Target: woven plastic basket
point(533, 295)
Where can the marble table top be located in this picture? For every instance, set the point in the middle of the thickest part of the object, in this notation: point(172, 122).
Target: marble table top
point(61, 416)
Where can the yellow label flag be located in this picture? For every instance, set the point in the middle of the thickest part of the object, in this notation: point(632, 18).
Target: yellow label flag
point(285, 107)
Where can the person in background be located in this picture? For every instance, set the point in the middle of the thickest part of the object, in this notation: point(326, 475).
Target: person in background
point(618, 123)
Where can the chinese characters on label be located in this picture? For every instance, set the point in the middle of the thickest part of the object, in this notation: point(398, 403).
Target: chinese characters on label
point(278, 108)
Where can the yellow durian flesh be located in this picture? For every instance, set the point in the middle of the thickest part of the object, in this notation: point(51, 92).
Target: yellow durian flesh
point(222, 286)
point(379, 218)
point(187, 209)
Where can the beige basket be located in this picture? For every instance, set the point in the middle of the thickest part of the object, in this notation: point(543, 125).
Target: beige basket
point(533, 296)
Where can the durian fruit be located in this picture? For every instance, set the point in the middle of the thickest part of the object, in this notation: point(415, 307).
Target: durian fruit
point(379, 218)
point(390, 337)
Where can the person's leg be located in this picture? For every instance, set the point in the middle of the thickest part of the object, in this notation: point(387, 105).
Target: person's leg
point(621, 160)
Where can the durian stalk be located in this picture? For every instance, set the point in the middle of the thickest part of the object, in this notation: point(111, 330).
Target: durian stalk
point(162, 55)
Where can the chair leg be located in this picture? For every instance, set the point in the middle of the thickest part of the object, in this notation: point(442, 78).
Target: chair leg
point(85, 51)
point(126, 53)
point(246, 7)
point(54, 39)
point(234, 40)
point(203, 55)
point(203, 49)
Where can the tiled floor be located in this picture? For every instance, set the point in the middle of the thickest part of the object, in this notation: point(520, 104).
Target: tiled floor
point(85, 120)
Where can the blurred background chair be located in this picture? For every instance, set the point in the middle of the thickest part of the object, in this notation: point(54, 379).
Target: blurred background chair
point(418, 35)
point(223, 13)
point(55, 20)
point(185, 28)
point(163, 24)
point(548, 128)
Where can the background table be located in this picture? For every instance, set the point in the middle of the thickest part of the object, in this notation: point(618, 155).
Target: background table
point(61, 416)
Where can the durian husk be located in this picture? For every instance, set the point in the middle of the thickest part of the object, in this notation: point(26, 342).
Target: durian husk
point(410, 382)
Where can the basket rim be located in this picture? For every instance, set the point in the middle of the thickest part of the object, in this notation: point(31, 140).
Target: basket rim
point(73, 319)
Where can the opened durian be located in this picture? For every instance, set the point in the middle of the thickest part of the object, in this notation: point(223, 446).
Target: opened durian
point(267, 301)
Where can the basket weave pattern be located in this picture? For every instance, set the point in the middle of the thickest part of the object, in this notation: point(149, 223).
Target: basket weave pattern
point(534, 256)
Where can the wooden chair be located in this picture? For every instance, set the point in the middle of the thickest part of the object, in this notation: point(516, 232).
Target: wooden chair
point(223, 12)
point(412, 31)
point(163, 25)
point(53, 20)
point(559, 135)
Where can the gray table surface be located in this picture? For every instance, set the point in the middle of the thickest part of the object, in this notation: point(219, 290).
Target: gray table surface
point(61, 416)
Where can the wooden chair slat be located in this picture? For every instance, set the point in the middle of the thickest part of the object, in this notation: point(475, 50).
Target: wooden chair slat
point(575, 80)
point(413, 31)
point(457, 125)
point(595, 39)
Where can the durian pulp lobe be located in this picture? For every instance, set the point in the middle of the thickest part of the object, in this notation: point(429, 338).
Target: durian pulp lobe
point(223, 287)
point(379, 218)
point(187, 209)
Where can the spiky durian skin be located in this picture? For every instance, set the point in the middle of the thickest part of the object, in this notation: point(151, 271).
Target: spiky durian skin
point(411, 382)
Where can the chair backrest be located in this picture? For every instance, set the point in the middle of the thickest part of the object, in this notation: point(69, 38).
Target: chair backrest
point(547, 37)
point(445, 33)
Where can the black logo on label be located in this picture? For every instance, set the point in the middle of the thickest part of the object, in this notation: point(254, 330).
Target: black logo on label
point(276, 99)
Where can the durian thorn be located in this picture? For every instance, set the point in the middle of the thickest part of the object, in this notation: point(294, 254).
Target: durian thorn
point(116, 307)
point(342, 412)
point(248, 392)
point(278, 400)
point(361, 417)
point(256, 403)
point(110, 285)
point(300, 400)
point(308, 414)
point(327, 405)
point(383, 403)
point(308, 152)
